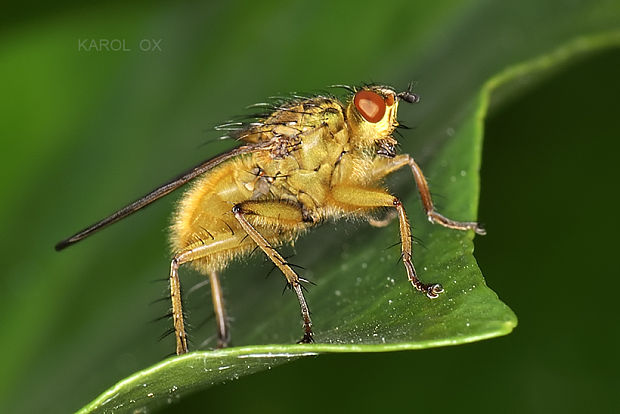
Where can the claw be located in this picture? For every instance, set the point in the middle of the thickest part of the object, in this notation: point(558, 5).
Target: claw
point(479, 230)
point(433, 291)
point(307, 339)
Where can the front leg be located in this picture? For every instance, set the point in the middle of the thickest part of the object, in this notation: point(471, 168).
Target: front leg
point(358, 199)
point(385, 166)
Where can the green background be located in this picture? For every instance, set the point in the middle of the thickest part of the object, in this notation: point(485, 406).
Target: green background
point(83, 132)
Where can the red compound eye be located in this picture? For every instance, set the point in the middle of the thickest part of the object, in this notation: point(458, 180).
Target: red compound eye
point(370, 105)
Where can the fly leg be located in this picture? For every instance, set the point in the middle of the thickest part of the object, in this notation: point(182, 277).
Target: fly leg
point(353, 199)
point(286, 217)
point(384, 166)
point(188, 255)
point(217, 297)
point(177, 306)
point(175, 294)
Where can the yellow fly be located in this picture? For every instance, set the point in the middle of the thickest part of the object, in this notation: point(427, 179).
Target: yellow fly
point(309, 160)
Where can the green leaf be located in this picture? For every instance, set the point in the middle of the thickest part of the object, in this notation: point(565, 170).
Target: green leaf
point(94, 130)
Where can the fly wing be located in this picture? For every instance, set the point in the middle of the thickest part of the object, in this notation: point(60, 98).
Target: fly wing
point(163, 190)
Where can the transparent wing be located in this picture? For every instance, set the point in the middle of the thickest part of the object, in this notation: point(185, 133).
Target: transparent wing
point(161, 191)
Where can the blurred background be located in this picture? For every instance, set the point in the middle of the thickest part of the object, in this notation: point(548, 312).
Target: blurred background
point(85, 130)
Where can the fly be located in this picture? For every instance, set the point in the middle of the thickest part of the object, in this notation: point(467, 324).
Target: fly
point(305, 161)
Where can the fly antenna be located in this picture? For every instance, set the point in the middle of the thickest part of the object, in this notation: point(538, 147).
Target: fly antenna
point(408, 95)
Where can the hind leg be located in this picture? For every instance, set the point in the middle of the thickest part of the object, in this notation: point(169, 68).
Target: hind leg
point(279, 215)
point(189, 255)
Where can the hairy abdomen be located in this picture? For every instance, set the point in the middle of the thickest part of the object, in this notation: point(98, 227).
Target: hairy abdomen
point(204, 217)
